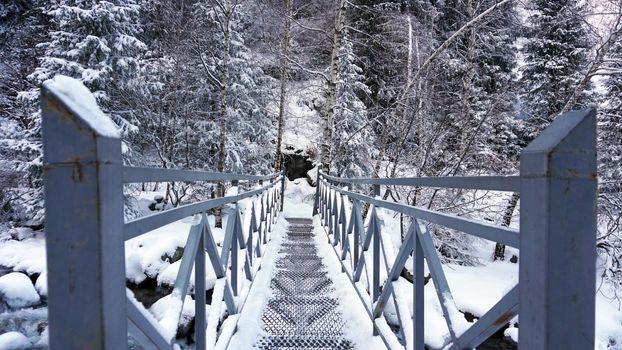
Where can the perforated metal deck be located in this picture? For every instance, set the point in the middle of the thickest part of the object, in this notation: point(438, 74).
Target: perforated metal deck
point(300, 315)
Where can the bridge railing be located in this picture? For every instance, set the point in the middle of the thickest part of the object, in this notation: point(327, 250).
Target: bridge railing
point(89, 304)
point(557, 239)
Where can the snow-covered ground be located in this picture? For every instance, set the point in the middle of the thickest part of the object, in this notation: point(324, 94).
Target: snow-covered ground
point(302, 131)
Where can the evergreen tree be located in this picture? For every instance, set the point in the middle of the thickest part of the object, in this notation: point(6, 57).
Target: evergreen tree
point(609, 136)
point(352, 155)
point(610, 128)
point(22, 26)
point(89, 40)
point(555, 54)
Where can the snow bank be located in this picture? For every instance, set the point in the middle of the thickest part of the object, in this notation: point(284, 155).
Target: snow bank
point(358, 327)
point(82, 102)
point(608, 323)
point(143, 254)
point(27, 255)
point(169, 275)
point(164, 311)
point(298, 201)
point(13, 341)
point(249, 327)
point(17, 290)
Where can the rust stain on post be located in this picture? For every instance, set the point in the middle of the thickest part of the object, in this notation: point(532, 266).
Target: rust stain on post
point(76, 174)
point(505, 318)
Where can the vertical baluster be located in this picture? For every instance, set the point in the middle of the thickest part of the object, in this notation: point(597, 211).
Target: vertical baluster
point(251, 230)
point(282, 196)
point(248, 246)
point(320, 203)
point(358, 220)
point(268, 215)
point(234, 250)
point(316, 203)
point(418, 292)
point(336, 233)
point(262, 220)
point(331, 211)
point(275, 202)
point(199, 289)
point(324, 200)
point(343, 218)
point(376, 255)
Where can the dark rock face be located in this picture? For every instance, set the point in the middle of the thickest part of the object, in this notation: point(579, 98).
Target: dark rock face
point(296, 165)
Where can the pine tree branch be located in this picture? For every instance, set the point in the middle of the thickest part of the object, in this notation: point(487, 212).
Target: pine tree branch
point(297, 64)
point(453, 38)
point(595, 65)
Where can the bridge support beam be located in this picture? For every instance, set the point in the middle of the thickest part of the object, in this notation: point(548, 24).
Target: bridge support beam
point(84, 220)
point(558, 235)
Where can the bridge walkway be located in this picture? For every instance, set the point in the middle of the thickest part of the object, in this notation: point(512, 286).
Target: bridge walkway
point(302, 314)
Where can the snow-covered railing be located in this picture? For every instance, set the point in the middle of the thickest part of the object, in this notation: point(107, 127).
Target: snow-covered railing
point(557, 239)
point(89, 305)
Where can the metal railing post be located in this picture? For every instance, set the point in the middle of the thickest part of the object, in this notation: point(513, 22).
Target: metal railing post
point(375, 231)
point(234, 248)
point(558, 235)
point(316, 203)
point(84, 221)
point(199, 291)
point(283, 189)
point(418, 293)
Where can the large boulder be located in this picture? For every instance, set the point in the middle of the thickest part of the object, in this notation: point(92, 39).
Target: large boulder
point(297, 165)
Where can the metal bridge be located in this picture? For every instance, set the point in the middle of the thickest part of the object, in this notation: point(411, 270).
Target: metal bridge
point(91, 308)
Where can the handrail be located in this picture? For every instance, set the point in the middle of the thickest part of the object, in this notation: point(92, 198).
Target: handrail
point(482, 229)
point(144, 174)
point(89, 305)
point(490, 183)
point(148, 223)
point(557, 236)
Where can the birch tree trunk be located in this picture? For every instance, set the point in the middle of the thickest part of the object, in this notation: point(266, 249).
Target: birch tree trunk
point(329, 118)
point(507, 219)
point(284, 77)
point(224, 85)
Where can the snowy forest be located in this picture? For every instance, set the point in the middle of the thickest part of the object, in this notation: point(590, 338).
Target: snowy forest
point(365, 88)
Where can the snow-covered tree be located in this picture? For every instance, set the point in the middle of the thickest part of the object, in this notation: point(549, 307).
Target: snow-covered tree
point(610, 171)
point(93, 41)
point(352, 155)
point(555, 55)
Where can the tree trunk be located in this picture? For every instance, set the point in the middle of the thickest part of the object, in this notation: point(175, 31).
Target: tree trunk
point(224, 85)
point(284, 77)
point(507, 219)
point(329, 119)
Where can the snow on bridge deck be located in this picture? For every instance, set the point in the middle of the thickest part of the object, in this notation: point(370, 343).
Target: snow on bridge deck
point(300, 299)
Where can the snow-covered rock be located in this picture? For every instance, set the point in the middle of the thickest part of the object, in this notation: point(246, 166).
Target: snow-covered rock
point(165, 311)
point(168, 276)
point(13, 341)
point(42, 284)
point(17, 291)
point(21, 233)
